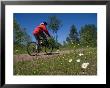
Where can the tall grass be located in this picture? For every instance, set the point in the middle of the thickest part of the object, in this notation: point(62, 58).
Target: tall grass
point(66, 64)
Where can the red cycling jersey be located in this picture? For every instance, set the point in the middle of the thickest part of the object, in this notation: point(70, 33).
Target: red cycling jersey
point(40, 29)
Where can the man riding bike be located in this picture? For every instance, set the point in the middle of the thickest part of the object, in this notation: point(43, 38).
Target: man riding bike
point(40, 30)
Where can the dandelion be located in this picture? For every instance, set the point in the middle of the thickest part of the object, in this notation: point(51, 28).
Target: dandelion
point(81, 54)
point(78, 60)
point(84, 65)
point(70, 60)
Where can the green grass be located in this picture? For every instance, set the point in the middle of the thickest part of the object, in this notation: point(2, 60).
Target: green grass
point(60, 65)
point(20, 50)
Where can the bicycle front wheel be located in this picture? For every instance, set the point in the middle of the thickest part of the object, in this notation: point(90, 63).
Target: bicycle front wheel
point(48, 48)
point(32, 48)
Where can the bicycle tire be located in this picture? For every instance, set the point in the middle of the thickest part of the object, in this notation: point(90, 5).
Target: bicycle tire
point(29, 49)
point(50, 50)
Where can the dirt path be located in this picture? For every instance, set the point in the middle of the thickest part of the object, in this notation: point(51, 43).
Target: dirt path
point(26, 57)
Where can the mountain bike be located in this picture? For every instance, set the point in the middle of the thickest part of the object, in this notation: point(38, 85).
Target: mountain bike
point(46, 45)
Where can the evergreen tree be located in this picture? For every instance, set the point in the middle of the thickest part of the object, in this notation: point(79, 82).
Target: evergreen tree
point(88, 35)
point(73, 35)
point(68, 40)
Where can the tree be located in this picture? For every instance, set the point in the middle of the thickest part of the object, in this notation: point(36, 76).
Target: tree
point(68, 40)
point(88, 35)
point(64, 43)
point(27, 38)
point(20, 35)
point(73, 35)
point(54, 24)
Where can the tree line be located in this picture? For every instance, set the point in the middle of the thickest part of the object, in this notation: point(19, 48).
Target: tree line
point(87, 36)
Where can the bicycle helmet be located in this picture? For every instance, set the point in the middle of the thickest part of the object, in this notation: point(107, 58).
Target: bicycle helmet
point(45, 23)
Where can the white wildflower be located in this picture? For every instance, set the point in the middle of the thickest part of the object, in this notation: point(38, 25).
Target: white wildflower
point(83, 72)
point(81, 54)
point(87, 46)
point(78, 60)
point(70, 60)
point(34, 72)
point(78, 44)
point(84, 65)
point(63, 57)
point(16, 50)
point(17, 74)
point(58, 50)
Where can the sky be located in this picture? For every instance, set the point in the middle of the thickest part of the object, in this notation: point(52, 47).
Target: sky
point(31, 20)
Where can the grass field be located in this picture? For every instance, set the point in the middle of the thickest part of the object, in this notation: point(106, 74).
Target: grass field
point(76, 62)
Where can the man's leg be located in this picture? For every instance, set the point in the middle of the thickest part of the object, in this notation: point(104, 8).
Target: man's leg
point(44, 36)
point(37, 41)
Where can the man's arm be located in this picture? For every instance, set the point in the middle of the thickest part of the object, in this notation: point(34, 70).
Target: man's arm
point(46, 31)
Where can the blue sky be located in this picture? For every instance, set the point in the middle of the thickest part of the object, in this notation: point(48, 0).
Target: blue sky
point(31, 20)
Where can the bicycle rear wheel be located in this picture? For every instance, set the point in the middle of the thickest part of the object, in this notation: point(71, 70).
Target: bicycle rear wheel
point(32, 48)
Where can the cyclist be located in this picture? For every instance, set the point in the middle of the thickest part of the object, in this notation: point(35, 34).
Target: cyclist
point(41, 30)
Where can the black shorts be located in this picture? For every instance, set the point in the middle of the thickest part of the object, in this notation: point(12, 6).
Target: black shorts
point(36, 37)
point(42, 34)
